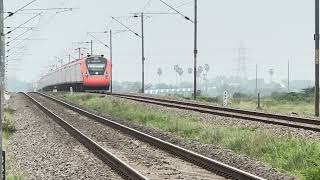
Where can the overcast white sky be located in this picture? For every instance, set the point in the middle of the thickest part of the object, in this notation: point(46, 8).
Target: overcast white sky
point(273, 31)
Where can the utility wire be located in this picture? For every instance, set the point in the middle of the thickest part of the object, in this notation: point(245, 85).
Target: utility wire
point(126, 27)
point(20, 50)
point(98, 40)
point(184, 4)
point(172, 8)
point(9, 27)
point(26, 13)
point(18, 36)
point(120, 31)
point(49, 9)
point(34, 39)
point(24, 23)
point(20, 9)
point(18, 44)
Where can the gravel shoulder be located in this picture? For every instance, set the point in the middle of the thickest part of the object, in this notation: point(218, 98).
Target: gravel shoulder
point(149, 160)
point(41, 149)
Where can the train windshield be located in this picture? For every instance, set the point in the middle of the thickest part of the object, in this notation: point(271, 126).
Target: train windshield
point(96, 65)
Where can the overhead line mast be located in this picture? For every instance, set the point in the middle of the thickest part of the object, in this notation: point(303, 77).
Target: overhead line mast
point(2, 78)
point(195, 48)
point(316, 38)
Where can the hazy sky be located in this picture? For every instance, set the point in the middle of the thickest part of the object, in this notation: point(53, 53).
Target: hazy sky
point(273, 32)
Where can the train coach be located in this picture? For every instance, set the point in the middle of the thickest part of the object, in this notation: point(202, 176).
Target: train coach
point(87, 74)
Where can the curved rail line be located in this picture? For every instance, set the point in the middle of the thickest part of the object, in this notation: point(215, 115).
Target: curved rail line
point(200, 160)
point(290, 121)
point(118, 165)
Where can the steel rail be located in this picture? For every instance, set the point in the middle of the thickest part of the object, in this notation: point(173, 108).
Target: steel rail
point(117, 164)
point(214, 166)
point(290, 121)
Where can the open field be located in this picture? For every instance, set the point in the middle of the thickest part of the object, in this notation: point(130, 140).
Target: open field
point(289, 108)
point(298, 157)
point(301, 104)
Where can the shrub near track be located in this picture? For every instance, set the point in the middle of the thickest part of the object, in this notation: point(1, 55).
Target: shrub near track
point(297, 157)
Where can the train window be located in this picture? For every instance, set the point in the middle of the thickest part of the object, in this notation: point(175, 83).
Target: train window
point(96, 65)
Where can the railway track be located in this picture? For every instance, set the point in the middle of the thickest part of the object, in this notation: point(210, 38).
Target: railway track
point(123, 169)
point(200, 161)
point(290, 121)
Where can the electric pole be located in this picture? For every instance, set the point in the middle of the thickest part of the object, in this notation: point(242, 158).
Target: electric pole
point(143, 58)
point(195, 49)
point(79, 53)
point(288, 75)
point(316, 38)
point(256, 78)
point(91, 44)
point(2, 78)
point(111, 60)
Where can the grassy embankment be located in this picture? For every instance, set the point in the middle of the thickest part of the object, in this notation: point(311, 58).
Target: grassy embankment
point(297, 157)
point(301, 104)
point(8, 129)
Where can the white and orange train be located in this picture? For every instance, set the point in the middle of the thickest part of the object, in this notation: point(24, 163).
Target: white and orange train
point(89, 73)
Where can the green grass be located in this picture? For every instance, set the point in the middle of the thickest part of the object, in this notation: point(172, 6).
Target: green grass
point(9, 128)
point(8, 125)
point(301, 108)
point(281, 103)
point(297, 157)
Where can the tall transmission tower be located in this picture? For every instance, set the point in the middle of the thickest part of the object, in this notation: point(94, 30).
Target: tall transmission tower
point(242, 62)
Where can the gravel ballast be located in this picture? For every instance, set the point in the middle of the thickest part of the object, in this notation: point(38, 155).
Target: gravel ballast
point(212, 151)
point(41, 149)
point(149, 160)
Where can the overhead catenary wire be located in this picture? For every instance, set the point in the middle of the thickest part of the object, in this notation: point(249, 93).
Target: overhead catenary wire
point(98, 40)
point(20, 9)
point(23, 10)
point(23, 27)
point(24, 23)
point(18, 36)
point(126, 18)
point(120, 31)
point(49, 9)
point(126, 27)
point(178, 12)
point(17, 52)
point(184, 4)
point(19, 44)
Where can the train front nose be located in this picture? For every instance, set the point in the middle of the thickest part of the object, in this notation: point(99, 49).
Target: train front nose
point(96, 75)
point(97, 81)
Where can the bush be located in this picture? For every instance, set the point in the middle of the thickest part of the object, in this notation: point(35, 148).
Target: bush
point(312, 174)
point(209, 99)
point(291, 97)
point(239, 95)
point(309, 92)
